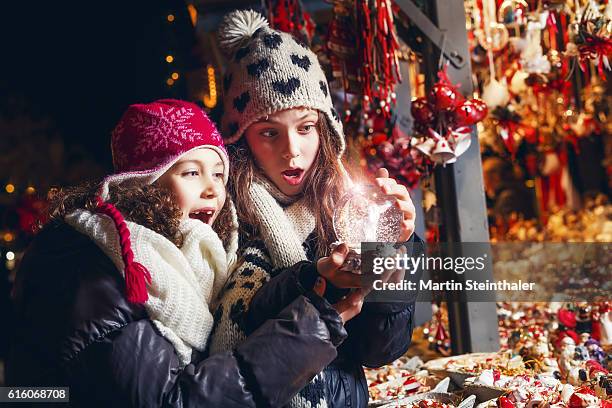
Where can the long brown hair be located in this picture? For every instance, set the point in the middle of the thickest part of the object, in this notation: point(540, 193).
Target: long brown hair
point(323, 187)
point(151, 206)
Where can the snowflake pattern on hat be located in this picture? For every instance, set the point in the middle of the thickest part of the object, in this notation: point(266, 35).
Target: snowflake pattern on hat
point(164, 129)
point(149, 135)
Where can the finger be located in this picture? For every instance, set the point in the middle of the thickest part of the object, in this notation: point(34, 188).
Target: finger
point(382, 172)
point(407, 208)
point(339, 254)
point(326, 266)
point(319, 287)
point(350, 306)
point(383, 182)
point(344, 279)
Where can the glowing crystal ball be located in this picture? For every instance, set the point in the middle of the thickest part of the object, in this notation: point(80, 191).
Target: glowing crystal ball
point(367, 215)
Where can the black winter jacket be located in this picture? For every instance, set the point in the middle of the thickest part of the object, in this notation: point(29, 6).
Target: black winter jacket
point(378, 335)
point(76, 329)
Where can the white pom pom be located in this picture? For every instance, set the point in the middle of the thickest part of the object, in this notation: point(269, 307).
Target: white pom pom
point(238, 27)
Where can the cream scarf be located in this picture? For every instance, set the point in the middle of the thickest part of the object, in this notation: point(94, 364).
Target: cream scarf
point(183, 280)
point(283, 230)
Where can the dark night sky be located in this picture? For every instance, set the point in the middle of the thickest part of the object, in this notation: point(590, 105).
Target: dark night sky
point(82, 63)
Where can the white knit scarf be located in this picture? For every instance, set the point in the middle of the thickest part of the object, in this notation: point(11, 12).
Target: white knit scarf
point(183, 281)
point(283, 230)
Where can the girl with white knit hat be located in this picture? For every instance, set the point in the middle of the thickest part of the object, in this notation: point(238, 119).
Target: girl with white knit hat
point(286, 141)
point(114, 296)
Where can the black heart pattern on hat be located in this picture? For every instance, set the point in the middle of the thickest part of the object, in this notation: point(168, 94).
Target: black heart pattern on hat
point(241, 53)
point(323, 87)
point(335, 115)
point(302, 62)
point(241, 101)
point(257, 68)
point(272, 40)
point(286, 87)
point(227, 81)
point(233, 127)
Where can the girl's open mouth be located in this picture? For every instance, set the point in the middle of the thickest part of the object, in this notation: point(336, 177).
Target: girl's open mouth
point(205, 215)
point(293, 176)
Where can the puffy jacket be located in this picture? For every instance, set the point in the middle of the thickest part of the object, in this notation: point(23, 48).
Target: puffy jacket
point(75, 328)
point(380, 334)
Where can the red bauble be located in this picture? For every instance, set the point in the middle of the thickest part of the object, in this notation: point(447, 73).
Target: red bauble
point(470, 112)
point(444, 97)
point(378, 138)
point(421, 111)
point(481, 108)
point(567, 318)
point(466, 114)
point(504, 402)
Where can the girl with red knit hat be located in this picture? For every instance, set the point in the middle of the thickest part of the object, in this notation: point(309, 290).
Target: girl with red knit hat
point(114, 295)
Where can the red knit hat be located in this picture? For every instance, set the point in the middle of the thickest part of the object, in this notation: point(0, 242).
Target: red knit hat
point(146, 142)
point(150, 138)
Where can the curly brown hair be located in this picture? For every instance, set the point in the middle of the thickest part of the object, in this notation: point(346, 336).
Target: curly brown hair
point(151, 206)
point(323, 187)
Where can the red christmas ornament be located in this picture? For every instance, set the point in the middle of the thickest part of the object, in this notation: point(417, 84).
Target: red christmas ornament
point(444, 96)
point(504, 402)
point(422, 112)
point(567, 318)
point(379, 138)
point(466, 114)
point(481, 108)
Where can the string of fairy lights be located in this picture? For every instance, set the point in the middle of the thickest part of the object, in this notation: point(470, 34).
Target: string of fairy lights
point(209, 99)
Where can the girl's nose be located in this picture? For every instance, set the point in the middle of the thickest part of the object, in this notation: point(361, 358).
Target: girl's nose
point(292, 149)
point(210, 188)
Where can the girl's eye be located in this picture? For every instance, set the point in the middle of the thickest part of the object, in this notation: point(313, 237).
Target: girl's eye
point(307, 128)
point(219, 175)
point(191, 173)
point(268, 133)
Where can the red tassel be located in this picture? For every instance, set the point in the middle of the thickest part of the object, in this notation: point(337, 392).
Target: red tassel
point(135, 273)
point(135, 287)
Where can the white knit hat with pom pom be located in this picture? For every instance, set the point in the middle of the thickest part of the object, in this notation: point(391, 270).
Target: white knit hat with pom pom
point(269, 71)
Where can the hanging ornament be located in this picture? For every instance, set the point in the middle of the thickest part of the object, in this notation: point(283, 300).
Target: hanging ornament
point(378, 46)
point(422, 111)
point(444, 96)
point(508, 124)
point(442, 122)
point(289, 16)
point(470, 112)
point(495, 93)
point(397, 156)
point(533, 59)
point(590, 39)
point(342, 46)
point(445, 150)
point(517, 83)
point(513, 12)
point(495, 38)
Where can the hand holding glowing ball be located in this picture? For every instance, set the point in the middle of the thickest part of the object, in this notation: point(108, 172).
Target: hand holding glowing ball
point(365, 215)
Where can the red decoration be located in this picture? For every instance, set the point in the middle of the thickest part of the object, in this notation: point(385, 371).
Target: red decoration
point(422, 111)
point(504, 402)
point(444, 96)
point(441, 121)
point(289, 16)
point(469, 113)
point(567, 318)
